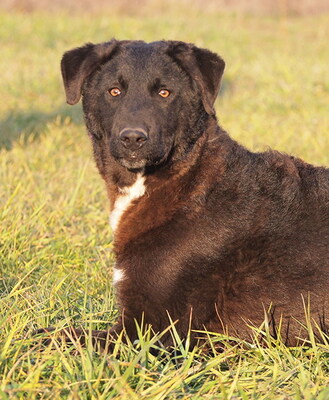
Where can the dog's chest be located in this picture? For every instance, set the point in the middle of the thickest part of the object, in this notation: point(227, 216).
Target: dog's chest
point(122, 203)
point(142, 219)
point(125, 199)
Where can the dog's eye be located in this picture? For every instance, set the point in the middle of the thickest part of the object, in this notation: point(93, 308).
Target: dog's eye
point(115, 92)
point(164, 93)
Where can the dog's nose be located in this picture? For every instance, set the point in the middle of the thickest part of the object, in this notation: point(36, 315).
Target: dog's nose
point(133, 139)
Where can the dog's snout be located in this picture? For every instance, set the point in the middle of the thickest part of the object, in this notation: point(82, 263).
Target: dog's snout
point(133, 139)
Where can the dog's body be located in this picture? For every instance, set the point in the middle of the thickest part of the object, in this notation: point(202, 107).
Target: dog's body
point(206, 233)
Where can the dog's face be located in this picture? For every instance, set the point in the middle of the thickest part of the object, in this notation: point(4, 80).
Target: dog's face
point(142, 102)
point(137, 96)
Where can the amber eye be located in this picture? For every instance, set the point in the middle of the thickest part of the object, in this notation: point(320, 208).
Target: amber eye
point(164, 93)
point(115, 92)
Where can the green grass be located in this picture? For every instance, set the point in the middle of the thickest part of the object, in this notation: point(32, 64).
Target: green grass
point(55, 243)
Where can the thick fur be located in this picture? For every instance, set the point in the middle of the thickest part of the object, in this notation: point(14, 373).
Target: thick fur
point(219, 234)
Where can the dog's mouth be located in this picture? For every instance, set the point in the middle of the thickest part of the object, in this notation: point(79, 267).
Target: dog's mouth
point(134, 161)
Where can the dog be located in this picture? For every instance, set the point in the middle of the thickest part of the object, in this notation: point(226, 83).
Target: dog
point(207, 233)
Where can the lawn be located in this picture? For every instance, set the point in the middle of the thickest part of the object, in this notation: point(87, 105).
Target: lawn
point(55, 242)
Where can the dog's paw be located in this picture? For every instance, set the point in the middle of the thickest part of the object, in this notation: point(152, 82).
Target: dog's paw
point(100, 341)
point(55, 337)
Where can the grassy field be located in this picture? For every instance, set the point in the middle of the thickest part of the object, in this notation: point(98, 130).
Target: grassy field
point(55, 242)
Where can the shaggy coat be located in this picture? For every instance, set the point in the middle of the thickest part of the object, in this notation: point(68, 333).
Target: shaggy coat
point(206, 233)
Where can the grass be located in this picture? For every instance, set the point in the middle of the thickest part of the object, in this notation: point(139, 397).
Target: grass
point(55, 243)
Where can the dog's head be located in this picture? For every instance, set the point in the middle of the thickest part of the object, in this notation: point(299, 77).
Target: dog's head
point(143, 102)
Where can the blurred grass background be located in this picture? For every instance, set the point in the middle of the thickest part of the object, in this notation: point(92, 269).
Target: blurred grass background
point(55, 243)
point(142, 7)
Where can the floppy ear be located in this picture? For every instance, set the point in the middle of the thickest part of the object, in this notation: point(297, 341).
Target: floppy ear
point(204, 67)
point(79, 63)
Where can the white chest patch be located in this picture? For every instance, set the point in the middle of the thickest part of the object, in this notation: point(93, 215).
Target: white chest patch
point(118, 275)
point(123, 201)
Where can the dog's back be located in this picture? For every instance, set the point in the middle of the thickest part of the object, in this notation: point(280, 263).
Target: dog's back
point(274, 210)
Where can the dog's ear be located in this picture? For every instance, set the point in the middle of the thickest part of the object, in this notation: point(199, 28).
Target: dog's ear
point(204, 67)
point(79, 63)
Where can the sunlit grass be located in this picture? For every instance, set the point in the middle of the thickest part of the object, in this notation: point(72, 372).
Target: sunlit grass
point(55, 243)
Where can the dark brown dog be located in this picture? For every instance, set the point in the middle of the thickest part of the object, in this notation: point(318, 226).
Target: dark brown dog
point(205, 231)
